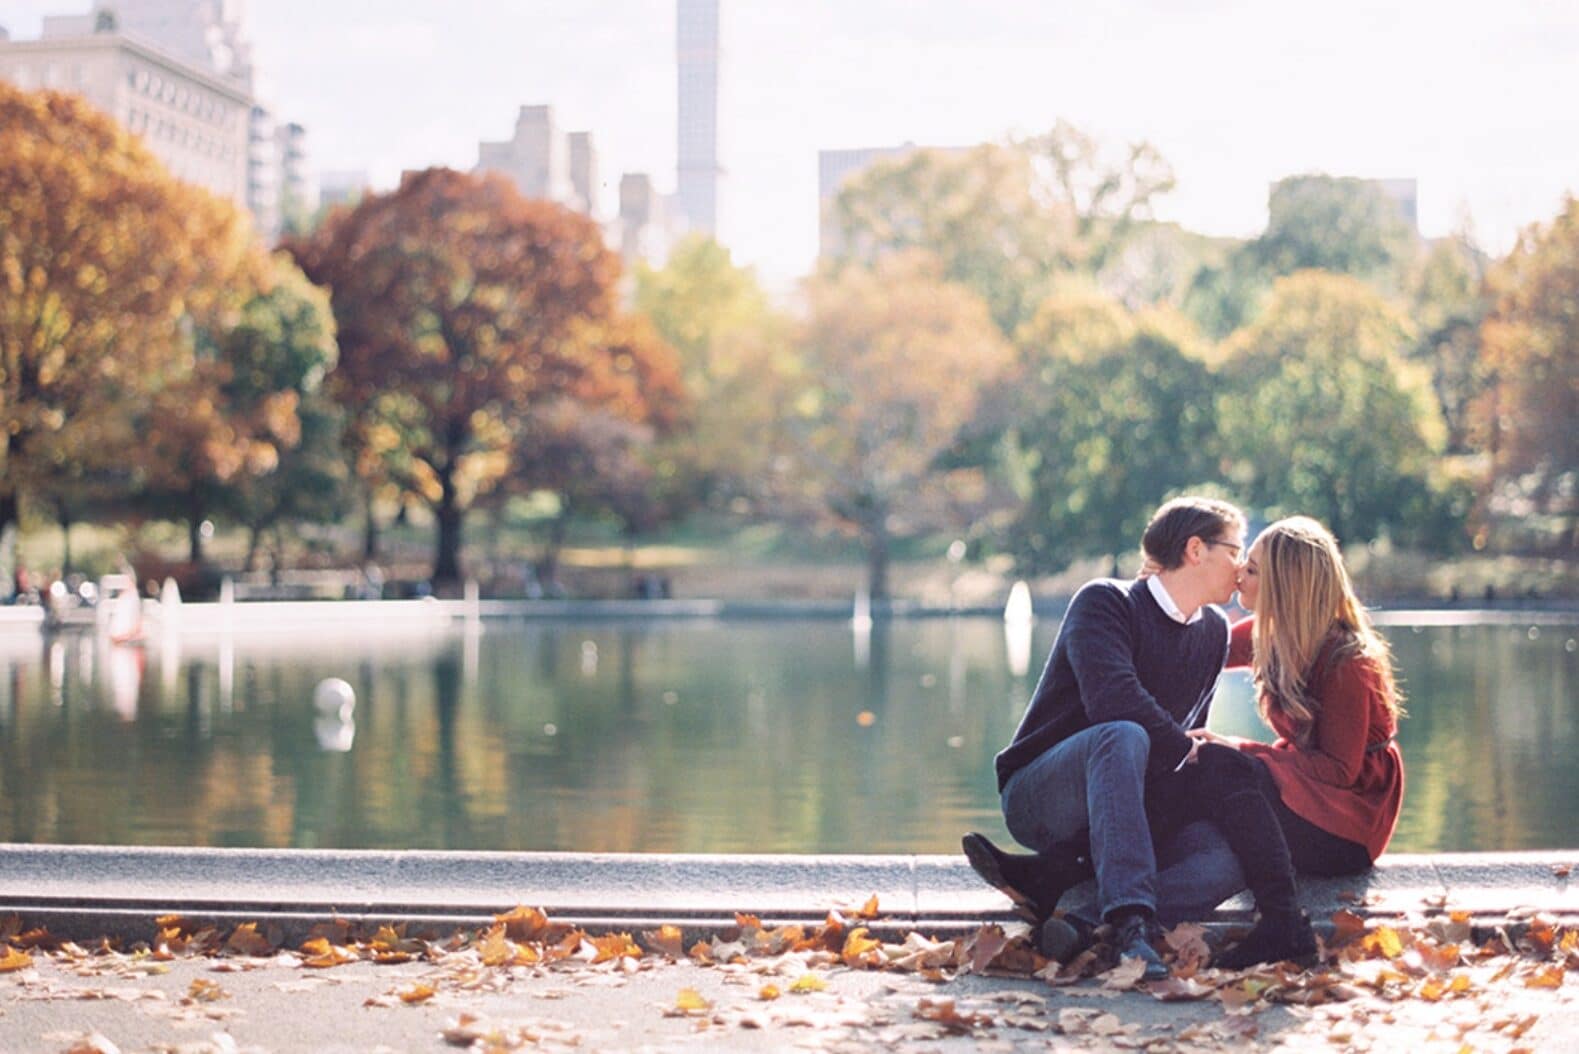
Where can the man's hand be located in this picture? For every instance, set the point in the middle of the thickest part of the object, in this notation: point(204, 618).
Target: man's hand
point(1206, 735)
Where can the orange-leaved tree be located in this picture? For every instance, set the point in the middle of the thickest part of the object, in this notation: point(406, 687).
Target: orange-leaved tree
point(464, 308)
point(1530, 348)
point(105, 262)
point(897, 358)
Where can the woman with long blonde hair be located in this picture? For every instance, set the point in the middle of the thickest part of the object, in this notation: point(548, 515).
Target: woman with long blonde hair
point(1324, 683)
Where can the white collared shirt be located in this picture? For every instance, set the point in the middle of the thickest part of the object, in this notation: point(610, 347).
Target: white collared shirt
point(1159, 593)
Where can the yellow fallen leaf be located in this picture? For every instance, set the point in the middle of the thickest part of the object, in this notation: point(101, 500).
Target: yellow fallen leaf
point(319, 954)
point(808, 982)
point(12, 960)
point(768, 992)
point(869, 909)
point(690, 1001)
point(202, 990)
point(523, 924)
point(1545, 977)
point(1384, 941)
point(858, 947)
point(614, 946)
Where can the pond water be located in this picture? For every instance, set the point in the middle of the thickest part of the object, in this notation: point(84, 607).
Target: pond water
point(672, 736)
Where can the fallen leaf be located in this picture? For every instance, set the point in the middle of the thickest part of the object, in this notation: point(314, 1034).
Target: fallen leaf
point(869, 909)
point(12, 959)
point(808, 982)
point(984, 946)
point(418, 993)
point(946, 1014)
point(1562, 870)
point(1384, 941)
point(202, 990)
point(859, 949)
point(93, 1043)
point(1545, 977)
point(1178, 989)
point(666, 940)
point(1347, 926)
point(1126, 974)
point(523, 924)
point(614, 946)
point(690, 1001)
point(768, 992)
point(246, 940)
point(320, 954)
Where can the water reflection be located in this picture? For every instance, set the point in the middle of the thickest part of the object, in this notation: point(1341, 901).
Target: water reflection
point(697, 737)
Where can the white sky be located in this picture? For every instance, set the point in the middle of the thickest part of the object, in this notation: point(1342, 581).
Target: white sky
point(1473, 99)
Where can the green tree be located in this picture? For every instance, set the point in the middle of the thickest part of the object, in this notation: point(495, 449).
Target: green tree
point(1323, 415)
point(1450, 304)
point(1114, 413)
point(738, 366)
point(1344, 225)
point(1531, 352)
point(463, 308)
point(897, 357)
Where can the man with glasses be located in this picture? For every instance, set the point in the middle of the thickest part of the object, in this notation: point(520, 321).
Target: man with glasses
point(1133, 669)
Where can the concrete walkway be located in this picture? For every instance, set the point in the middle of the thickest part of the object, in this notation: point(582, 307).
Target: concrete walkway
point(89, 891)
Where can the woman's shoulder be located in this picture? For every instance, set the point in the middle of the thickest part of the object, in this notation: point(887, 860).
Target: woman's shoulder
point(1346, 664)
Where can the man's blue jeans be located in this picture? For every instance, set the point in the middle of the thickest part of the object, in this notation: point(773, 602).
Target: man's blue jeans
point(1096, 779)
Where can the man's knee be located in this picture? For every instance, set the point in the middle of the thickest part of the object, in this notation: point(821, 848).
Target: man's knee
point(1121, 740)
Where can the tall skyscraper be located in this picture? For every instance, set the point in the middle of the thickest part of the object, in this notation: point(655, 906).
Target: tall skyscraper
point(699, 174)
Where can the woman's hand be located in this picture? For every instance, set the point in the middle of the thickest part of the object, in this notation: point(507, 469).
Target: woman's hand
point(1206, 735)
point(1149, 568)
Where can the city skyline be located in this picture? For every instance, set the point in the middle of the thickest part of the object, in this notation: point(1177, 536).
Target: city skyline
point(1234, 94)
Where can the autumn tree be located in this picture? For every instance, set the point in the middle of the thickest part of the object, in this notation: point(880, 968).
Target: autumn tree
point(1323, 415)
point(1449, 303)
point(738, 366)
point(1113, 412)
point(462, 309)
point(106, 263)
point(897, 357)
point(1530, 344)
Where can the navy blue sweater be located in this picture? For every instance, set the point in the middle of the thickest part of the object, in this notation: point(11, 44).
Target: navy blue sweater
point(1119, 657)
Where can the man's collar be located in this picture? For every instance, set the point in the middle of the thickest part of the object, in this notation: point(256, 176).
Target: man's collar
point(1159, 593)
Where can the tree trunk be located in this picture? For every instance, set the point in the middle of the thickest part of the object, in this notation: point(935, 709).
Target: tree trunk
point(194, 534)
point(65, 533)
point(254, 541)
point(446, 558)
point(558, 530)
point(877, 559)
point(370, 528)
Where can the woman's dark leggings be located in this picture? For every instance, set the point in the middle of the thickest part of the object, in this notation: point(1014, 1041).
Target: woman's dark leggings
point(1315, 852)
point(1236, 793)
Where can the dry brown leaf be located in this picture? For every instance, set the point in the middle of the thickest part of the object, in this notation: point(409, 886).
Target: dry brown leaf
point(1178, 989)
point(614, 946)
point(945, 1013)
point(524, 924)
point(202, 990)
point(869, 909)
point(1347, 926)
point(984, 946)
point(1126, 974)
point(319, 954)
point(246, 940)
point(417, 993)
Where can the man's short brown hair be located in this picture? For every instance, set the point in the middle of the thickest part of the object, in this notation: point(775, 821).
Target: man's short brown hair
point(1181, 519)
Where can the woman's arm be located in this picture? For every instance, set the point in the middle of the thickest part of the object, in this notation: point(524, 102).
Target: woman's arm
point(1337, 749)
point(1241, 643)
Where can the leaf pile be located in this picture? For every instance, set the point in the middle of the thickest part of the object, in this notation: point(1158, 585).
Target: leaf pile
point(1365, 973)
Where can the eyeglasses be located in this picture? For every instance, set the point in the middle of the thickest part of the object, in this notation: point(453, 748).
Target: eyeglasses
point(1234, 555)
